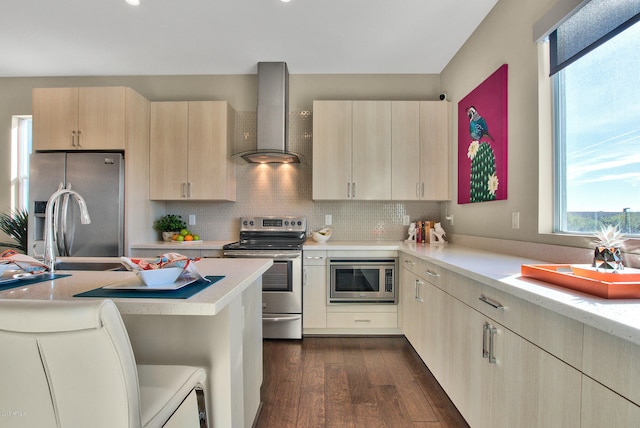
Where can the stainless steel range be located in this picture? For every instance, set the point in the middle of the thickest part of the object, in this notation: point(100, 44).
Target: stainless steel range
point(280, 239)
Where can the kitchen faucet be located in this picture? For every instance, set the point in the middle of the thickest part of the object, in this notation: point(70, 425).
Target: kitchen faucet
point(49, 251)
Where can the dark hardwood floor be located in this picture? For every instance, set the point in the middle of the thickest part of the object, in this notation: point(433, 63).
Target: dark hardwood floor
point(351, 382)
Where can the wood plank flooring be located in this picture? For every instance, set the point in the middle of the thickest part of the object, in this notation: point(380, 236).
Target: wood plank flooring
point(351, 382)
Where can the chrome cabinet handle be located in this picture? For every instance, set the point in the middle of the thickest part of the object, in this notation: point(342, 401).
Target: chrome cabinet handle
point(361, 321)
point(431, 273)
point(348, 190)
point(304, 277)
point(485, 349)
point(281, 319)
point(73, 138)
point(422, 191)
point(491, 302)
point(184, 188)
point(418, 297)
point(353, 185)
point(314, 257)
point(188, 189)
point(492, 355)
point(417, 190)
point(409, 262)
point(78, 138)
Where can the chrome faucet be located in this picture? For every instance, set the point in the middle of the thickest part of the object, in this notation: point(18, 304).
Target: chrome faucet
point(49, 250)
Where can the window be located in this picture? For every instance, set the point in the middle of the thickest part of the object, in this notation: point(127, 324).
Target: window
point(20, 151)
point(597, 131)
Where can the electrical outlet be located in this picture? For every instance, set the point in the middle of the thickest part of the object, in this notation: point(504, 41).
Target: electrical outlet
point(406, 220)
point(450, 218)
point(515, 220)
point(328, 220)
point(192, 219)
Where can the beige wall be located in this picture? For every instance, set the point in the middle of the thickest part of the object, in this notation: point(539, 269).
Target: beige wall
point(505, 36)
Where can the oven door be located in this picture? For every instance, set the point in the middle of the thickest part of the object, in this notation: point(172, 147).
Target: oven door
point(281, 283)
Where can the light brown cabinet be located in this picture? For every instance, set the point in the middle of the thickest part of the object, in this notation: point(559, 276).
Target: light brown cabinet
point(352, 150)
point(495, 377)
point(381, 150)
point(191, 147)
point(92, 118)
point(421, 150)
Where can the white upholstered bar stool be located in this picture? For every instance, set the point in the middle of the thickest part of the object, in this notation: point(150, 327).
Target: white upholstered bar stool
point(71, 365)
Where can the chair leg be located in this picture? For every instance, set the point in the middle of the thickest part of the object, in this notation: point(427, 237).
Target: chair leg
point(202, 408)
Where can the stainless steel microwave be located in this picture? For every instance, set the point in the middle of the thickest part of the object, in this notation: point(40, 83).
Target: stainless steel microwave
point(362, 280)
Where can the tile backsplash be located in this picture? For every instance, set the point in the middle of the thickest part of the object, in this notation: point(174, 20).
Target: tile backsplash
point(285, 189)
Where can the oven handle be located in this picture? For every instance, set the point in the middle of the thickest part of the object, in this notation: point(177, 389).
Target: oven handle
point(282, 319)
point(262, 255)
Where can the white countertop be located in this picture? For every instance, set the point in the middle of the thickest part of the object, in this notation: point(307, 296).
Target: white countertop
point(175, 245)
point(620, 317)
point(238, 275)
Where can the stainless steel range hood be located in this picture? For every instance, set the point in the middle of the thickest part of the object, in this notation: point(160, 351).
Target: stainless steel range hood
point(272, 117)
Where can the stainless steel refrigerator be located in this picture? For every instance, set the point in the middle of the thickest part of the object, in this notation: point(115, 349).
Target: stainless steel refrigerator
point(99, 179)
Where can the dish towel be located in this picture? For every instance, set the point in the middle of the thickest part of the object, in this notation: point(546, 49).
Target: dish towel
point(24, 262)
point(167, 260)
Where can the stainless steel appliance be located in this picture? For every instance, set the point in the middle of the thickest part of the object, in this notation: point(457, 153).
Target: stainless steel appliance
point(280, 239)
point(362, 280)
point(99, 178)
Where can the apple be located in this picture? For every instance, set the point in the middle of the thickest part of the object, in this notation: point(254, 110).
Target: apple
point(185, 232)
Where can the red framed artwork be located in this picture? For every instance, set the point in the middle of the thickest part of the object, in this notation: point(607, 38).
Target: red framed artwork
point(482, 141)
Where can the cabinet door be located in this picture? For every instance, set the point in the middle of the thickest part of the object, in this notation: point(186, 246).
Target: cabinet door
point(332, 122)
point(371, 151)
point(405, 151)
point(168, 158)
point(209, 151)
point(410, 313)
point(314, 297)
point(602, 407)
point(435, 121)
point(101, 118)
point(55, 118)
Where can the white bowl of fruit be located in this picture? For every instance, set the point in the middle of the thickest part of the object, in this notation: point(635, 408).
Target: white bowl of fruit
point(322, 235)
point(185, 236)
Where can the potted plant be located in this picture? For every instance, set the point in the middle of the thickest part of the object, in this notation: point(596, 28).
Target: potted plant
point(14, 224)
point(607, 254)
point(169, 225)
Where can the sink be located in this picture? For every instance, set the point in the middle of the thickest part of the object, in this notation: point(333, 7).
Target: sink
point(91, 266)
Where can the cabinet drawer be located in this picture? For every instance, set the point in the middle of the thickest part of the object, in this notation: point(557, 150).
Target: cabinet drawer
point(362, 320)
point(314, 258)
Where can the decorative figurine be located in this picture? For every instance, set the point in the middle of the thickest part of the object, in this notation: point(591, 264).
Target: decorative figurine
point(438, 234)
point(412, 233)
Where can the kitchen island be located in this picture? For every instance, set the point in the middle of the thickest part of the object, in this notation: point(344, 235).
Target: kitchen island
point(219, 328)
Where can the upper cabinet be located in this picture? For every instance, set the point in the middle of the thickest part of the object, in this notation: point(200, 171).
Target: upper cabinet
point(191, 147)
point(381, 150)
point(421, 150)
point(80, 118)
point(352, 150)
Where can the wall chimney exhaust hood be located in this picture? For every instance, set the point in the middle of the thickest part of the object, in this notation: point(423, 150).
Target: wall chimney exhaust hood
point(272, 117)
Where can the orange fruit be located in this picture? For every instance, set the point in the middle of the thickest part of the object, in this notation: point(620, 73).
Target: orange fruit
point(188, 238)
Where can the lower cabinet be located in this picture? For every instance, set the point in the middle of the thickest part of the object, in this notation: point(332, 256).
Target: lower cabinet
point(495, 377)
point(602, 407)
point(314, 289)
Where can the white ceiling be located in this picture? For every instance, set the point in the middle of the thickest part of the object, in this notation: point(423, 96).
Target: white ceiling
point(175, 37)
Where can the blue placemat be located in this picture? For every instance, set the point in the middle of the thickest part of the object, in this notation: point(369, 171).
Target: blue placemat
point(181, 293)
point(28, 281)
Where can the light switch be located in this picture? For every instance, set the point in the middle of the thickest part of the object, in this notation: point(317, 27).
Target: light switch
point(515, 220)
point(328, 220)
point(192, 219)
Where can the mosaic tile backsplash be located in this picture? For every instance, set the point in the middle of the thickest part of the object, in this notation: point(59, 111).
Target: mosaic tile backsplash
point(285, 189)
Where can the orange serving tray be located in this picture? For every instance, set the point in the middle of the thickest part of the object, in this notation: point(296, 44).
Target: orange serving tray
point(563, 276)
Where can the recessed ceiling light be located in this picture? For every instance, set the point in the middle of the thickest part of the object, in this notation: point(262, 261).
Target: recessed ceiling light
point(133, 2)
point(285, 1)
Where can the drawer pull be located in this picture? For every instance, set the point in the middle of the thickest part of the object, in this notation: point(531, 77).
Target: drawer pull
point(485, 349)
point(362, 320)
point(409, 262)
point(491, 302)
point(430, 273)
point(492, 356)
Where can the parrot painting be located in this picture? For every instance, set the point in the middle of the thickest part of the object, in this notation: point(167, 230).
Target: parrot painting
point(477, 125)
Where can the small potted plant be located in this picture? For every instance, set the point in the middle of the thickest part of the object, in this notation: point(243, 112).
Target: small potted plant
point(169, 225)
point(607, 255)
point(14, 225)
